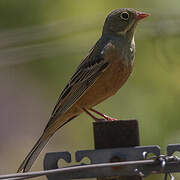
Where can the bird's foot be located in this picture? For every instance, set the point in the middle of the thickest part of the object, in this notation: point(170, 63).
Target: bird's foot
point(92, 116)
point(108, 118)
point(103, 115)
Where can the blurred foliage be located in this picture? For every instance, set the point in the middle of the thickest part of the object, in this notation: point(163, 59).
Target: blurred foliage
point(43, 41)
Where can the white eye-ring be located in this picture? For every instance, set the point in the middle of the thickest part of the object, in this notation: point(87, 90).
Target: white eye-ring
point(124, 15)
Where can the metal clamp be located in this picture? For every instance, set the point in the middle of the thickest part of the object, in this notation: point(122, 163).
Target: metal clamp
point(98, 157)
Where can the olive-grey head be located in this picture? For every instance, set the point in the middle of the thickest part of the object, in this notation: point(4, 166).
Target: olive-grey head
point(122, 21)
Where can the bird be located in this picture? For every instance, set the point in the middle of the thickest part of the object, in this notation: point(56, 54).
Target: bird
point(99, 76)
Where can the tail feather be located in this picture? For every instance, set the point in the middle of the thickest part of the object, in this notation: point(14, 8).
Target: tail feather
point(43, 140)
point(33, 154)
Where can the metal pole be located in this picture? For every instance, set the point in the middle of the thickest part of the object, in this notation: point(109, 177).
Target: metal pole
point(116, 134)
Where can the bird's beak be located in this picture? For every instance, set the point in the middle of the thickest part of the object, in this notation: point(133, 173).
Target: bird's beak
point(141, 15)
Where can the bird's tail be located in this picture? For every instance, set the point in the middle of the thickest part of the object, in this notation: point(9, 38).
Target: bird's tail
point(33, 154)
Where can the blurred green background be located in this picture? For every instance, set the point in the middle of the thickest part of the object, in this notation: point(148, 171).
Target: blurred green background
point(43, 41)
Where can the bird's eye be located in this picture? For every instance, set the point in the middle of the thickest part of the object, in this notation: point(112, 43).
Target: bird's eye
point(124, 15)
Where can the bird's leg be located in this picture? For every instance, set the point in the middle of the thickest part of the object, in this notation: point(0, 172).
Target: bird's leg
point(103, 115)
point(92, 116)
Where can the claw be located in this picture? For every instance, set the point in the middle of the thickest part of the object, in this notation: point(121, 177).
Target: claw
point(92, 116)
point(103, 115)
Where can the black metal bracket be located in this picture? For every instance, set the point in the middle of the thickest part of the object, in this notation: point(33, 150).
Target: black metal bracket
point(97, 157)
point(162, 163)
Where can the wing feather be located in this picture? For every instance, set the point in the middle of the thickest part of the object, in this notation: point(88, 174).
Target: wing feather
point(85, 75)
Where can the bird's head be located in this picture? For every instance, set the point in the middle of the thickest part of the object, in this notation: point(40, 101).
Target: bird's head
point(123, 21)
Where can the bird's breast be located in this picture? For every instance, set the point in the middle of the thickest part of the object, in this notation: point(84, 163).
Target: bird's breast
point(109, 82)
